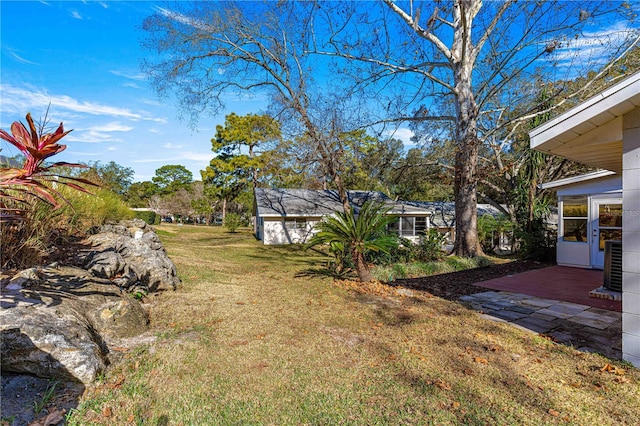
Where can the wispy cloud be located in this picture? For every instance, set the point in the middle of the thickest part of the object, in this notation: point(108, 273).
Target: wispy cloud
point(91, 136)
point(113, 127)
point(75, 14)
point(15, 99)
point(170, 145)
point(19, 58)
point(132, 85)
point(151, 102)
point(129, 75)
point(594, 47)
point(183, 19)
point(99, 134)
point(200, 157)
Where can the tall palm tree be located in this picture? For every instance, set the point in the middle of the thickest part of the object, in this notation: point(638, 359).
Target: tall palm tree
point(358, 234)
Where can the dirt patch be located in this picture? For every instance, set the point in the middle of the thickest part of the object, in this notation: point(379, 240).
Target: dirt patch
point(453, 285)
point(22, 395)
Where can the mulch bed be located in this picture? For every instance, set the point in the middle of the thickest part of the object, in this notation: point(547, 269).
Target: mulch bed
point(453, 285)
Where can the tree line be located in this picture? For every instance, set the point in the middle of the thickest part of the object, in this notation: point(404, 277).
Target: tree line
point(468, 76)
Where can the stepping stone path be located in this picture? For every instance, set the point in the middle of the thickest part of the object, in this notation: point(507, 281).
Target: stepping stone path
point(583, 327)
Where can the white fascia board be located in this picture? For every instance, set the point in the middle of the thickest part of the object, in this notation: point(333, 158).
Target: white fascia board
point(603, 104)
point(576, 179)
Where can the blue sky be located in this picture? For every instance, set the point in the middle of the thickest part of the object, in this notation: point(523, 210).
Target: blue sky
point(83, 58)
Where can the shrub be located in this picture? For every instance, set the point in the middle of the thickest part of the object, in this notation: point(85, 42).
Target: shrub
point(401, 252)
point(28, 241)
point(148, 216)
point(232, 221)
point(538, 242)
point(101, 207)
point(430, 246)
point(427, 250)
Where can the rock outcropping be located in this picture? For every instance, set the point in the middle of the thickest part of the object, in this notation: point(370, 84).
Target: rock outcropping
point(132, 256)
point(60, 322)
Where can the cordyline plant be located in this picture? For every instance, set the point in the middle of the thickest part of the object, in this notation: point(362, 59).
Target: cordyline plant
point(34, 178)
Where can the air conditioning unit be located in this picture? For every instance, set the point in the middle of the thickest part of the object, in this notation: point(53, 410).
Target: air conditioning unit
point(613, 265)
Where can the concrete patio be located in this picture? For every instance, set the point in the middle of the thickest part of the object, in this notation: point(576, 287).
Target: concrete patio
point(555, 302)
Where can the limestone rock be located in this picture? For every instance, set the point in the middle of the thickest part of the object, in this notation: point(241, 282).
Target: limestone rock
point(62, 326)
point(41, 341)
point(132, 255)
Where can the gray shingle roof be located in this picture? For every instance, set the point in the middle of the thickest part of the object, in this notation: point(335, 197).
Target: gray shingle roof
point(281, 202)
point(443, 213)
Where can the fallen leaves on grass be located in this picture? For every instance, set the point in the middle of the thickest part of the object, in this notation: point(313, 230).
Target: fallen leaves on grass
point(612, 369)
point(374, 287)
point(480, 360)
point(117, 383)
point(553, 412)
point(442, 384)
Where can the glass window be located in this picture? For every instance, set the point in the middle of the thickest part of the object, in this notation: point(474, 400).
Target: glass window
point(609, 234)
point(575, 230)
point(575, 206)
point(610, 215)
point(407, 226)
point(298, 223)
point(575, 212)
point(421, 225)
point(609, 223)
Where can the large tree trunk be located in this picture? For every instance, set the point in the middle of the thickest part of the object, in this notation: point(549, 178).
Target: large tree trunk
point(466, 161)
point(465, 186)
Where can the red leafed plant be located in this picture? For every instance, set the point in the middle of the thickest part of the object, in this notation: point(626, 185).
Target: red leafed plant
point(34, 178)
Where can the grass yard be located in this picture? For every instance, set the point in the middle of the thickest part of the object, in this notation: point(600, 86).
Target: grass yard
point(249, 339)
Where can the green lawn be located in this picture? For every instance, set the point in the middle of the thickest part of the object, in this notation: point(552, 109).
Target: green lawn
point(249, 339)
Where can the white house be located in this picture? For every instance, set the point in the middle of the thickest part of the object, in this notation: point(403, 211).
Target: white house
point(285, 216)
point(603, 132)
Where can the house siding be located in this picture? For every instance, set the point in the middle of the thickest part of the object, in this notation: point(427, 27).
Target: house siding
point(631, 238)
point(275, 231)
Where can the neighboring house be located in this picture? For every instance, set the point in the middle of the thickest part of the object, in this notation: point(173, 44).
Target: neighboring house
point(603, 132)
point(285, 216)
point(443, 217)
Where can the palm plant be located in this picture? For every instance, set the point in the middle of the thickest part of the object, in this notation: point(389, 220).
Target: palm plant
point(357, 234)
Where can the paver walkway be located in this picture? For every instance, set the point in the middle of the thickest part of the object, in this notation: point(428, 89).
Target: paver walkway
point(584, 327)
